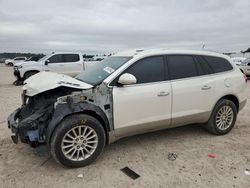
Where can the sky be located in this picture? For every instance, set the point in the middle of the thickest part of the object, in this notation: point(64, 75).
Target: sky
point(104, 26)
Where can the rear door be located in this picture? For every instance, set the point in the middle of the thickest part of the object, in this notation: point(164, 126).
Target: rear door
point(146, 105)
point(192, 89)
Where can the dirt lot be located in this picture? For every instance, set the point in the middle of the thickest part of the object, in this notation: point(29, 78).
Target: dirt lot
point(22, 166)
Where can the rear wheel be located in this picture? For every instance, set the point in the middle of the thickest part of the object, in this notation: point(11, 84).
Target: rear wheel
point(223, 117)
point(78, 140)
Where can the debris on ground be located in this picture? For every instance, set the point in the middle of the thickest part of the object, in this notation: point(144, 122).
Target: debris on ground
point(80, 176)
point(130, 173)
point(211, 155)
point(247, 172)
point(172, 156)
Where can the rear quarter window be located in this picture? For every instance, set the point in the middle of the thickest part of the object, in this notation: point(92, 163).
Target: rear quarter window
point(71, 57)
point(181, 66)
point(218, 64)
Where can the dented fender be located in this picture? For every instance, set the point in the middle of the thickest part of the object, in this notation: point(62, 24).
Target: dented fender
point(63, 110)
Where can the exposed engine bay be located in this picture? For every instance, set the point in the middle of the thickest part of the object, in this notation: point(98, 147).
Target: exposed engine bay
point(35, 113)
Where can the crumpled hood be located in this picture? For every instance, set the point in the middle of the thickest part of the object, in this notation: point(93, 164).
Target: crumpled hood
point(44, 81)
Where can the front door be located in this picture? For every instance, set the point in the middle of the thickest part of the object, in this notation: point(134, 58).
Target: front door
point(56, 64)
point(146, 105)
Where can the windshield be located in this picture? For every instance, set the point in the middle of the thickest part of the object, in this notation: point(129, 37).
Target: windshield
point(99, 71)
point(45, 57)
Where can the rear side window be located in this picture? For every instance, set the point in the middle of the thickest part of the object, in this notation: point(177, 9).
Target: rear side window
point(71, 57)
point(181, 66)
point(58, 58)
point(218, 64)
point(148, 70)
point(202, 66)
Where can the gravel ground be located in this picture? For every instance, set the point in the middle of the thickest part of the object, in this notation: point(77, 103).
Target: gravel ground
point(22, 166)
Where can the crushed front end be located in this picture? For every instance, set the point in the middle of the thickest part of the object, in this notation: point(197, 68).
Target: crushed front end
point(29, 122)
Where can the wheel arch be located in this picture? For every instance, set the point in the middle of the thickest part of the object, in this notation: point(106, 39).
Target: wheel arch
point(92, 114)
point(36, 71)
point(232, 98)
point(64, 112)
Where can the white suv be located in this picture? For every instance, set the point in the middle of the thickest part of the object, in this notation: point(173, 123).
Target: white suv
point(127, 94)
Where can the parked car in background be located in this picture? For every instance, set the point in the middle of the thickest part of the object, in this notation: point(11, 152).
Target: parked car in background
point(238, 60)
point(95, 58)
point(126, 94)
point(11, 62)
point(245, 67)
point(65, 63)
point(2, 60)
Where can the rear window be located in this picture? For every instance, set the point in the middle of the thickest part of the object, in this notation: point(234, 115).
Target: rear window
point(202, 66)
point(181, 66)
point(218, 64)
point(71, 57)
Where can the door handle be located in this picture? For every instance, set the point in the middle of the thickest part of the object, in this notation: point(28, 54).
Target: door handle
point(205, 87)
point(163, 93)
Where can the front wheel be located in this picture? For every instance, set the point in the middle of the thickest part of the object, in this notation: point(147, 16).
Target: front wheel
point(78, 140)
point(223, 118)
point(29, 74)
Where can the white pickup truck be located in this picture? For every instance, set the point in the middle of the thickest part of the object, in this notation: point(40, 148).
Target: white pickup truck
point(64, 63)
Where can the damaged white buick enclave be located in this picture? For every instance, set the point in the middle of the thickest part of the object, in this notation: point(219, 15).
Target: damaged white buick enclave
point(126, 94)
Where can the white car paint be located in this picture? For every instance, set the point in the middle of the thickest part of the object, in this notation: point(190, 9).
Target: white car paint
point(50, 80)
point(139, 108)
point(190, 100)
point(151, 104)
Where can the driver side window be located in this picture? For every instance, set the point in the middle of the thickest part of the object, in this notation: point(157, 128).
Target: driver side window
point(147, 70)
point(58, 58)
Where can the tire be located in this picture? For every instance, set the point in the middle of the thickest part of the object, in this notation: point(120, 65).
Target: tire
point(65, 129)
point(10, 64)
point(29, 74)
point(218, 123)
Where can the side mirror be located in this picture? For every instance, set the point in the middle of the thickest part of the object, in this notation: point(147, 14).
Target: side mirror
point(127, 79)
point(46, 62)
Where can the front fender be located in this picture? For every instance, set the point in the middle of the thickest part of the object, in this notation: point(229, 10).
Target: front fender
point(66, 109)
